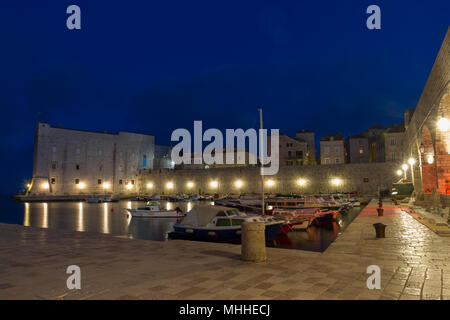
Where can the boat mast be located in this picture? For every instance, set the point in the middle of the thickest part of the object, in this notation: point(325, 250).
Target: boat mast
point(261, 152)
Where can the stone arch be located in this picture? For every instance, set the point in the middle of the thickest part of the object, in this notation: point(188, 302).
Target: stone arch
point(427, 161)
point(442, 145)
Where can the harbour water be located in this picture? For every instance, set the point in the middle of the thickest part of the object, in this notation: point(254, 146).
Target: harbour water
point(113, 218)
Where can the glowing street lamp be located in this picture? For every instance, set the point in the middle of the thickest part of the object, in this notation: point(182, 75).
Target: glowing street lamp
point(443, 124)
point(129, 186)
point(336, 182)
point(190, 185)
point(270, 183)
point(106, 185)
point(149, 185)
point(45, 185)
point(214, 184)
point(169, 185)
point(301, 182)
point(238, 184)
point(81, 185)
point(399, 172)
point(430, 159)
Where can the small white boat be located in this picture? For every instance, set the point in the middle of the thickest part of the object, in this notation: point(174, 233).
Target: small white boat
point(153, 209)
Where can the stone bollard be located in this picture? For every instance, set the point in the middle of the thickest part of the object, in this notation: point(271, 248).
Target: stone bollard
point(379, 229)
point(253, 242)
point(380, 212)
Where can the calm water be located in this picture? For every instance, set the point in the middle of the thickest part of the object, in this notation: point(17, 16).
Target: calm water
point(112, 218)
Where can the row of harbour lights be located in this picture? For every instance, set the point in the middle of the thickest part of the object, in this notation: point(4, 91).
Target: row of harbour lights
point(238, 184)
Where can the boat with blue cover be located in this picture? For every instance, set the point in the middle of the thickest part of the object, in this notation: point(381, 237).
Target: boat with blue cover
point(220, 223)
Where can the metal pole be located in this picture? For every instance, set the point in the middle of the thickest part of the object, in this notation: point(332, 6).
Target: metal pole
point(261, 149)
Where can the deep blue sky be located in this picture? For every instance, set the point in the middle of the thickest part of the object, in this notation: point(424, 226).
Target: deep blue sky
point(154, 66)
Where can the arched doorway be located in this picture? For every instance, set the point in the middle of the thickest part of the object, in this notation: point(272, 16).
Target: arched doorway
point(443, 144)
point(427, 161)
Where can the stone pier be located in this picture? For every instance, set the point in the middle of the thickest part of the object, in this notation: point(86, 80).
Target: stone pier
point(414, 264)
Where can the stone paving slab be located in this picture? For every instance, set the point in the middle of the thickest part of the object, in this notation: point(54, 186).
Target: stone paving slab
point(414, 264)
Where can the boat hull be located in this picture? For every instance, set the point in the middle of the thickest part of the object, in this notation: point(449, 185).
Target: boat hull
point(154, 214)
point(224, 234)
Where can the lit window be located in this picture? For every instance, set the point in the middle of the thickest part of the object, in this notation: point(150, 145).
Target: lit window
point(54, 149)
point(361, 151)
point(78, 151)
point(99, 153)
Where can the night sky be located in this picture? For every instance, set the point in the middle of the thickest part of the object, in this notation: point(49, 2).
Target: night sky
point(154, 66)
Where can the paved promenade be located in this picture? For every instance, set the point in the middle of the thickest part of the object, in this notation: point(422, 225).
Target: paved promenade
point(414, 263)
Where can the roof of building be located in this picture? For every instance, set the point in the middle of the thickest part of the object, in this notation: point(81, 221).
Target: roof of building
point(304, 131)
point(332, 137)
point(377, 127)
point(358, 136)
point(396, 128)
point(297, 139)
point(59, 126)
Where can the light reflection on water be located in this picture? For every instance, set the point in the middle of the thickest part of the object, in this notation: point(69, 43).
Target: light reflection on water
point(109, 218)
point(113, 218)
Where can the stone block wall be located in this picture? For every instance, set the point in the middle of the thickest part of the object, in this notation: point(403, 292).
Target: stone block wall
point(364, 178)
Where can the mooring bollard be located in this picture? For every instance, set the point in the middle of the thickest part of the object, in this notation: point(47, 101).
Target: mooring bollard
point(253, 242)
point(379, 229)
point(380, 212)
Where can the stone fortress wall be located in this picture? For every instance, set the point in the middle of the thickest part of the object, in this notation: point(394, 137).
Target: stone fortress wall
point(365, 178)
point(68, 162)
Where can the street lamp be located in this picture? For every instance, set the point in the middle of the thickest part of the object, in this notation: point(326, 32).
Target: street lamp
point(412, 161)
point(405, 168)
point(443, 124)
point(399, 172)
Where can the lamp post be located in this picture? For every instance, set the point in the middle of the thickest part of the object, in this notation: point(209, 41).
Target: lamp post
point(412, 162)
point(404, 167)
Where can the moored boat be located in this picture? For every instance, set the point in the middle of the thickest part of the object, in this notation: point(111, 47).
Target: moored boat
point(220, 223)
point(153, 209)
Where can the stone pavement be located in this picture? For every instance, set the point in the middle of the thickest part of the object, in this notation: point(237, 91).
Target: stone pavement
point(414, 263)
